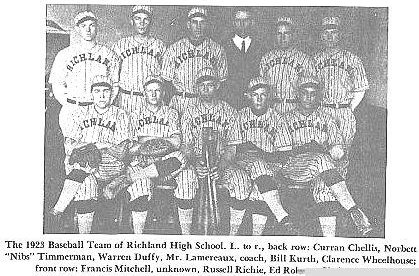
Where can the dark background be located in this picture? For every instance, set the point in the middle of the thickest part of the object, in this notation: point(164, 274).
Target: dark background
point(365, 34)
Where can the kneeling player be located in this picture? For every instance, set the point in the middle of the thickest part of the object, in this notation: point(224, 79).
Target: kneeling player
point(154, 123)
point(316, 144)
point(94, 148)
point(258, 124)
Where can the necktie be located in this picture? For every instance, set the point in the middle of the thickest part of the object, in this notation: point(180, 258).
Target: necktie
point(243, 47)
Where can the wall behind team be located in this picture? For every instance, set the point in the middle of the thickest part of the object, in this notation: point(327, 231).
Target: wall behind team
point(365, 30)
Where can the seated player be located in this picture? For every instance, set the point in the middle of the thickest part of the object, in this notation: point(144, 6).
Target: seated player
point(316, 145)
point(258, 124)
point(94, 146)
point(154, 122)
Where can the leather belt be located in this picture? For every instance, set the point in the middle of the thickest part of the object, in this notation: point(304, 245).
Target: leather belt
point(135, 93)
point(78, 103)
point(337, 105)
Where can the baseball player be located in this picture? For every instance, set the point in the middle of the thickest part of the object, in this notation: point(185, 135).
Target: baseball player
point(150, 121)
point(316, 144)
point(186, 57)
point(75, 66)
point(141, 55)
point(105, 126)
point(282, 66)
point(258, 127)
point(344, 78)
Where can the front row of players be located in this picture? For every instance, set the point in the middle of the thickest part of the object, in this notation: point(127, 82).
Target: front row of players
point(270, 164)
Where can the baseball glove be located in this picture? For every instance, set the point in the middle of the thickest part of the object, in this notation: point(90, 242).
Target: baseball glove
point(111, 190)
point(155, 147)
point(120, 151)
point(86, 155)
point(313, 146)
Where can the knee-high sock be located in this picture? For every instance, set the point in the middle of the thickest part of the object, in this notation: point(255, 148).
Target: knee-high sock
point(236, 218)
point(67, 194)
point(274, 202)
point(328, 225)
point(185, 220)
point(84, 222)
point(138, 221)
point(342, 194)
point(259, 222)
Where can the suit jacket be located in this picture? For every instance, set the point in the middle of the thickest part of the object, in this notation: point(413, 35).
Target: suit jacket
point(241, 68)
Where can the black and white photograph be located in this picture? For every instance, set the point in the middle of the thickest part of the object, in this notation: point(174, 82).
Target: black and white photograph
point(215, 120)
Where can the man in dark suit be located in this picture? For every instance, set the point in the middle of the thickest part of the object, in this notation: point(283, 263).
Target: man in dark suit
point(244, 52)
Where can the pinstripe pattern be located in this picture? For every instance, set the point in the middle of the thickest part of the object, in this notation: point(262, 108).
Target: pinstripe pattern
point(183, 60)
point(346, 122)
point(88, 189)
point(140, 59)
point(76, 66)
point(161, 124)
point(187, 184)
point(281, 68)
point(237, 182)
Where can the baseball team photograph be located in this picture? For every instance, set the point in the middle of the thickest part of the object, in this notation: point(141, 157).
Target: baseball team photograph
point(211, 120)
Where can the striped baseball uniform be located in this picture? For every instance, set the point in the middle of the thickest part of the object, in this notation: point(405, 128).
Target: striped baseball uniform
point(161, 124)
point(222, 118)
point(140, 59)
point(183, 60)
point(86, 125)
point(75, 67)
point(281, 67)
point(342, 74)
point(297, 129)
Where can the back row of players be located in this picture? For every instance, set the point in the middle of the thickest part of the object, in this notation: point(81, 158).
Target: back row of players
point(196, 69)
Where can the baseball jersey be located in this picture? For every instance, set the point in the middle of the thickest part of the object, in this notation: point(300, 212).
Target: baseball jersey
point(162, 124)
point(183, 60)
point(282, 68)
point(76, 66)
point(140, 59)
point(260, 130)
point(221, 117)
point(89, 126)
point(297, 129)
point(340, 69)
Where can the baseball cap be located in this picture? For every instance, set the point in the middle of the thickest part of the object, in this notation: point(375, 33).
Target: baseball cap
point(205, 74)
point(84, 16)
point(198, 12)
point(101, 80)
point(308, 81)
point(153, 79)
point(284, 20)
point(142, 9)
point(242, 13)
point(257, 82)
point(331, 22)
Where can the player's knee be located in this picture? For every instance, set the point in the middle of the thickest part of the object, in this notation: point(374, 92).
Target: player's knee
point(265, 183)
point(238, 204)
point(331, 177)
point(140, 204)
point(77, 175)
point(168, 166)
point(184, 204)
point(85, 206)
point(260, 207)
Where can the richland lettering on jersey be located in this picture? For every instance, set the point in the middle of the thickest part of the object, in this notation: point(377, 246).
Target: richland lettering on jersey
point(332, 62)
point(258, 124)
point(86, 57)
point(98, 122)
point(152, 120)
point(205, 118)
point(294, 126)
point(290, 61)
point(184, 56)
point(140, 50)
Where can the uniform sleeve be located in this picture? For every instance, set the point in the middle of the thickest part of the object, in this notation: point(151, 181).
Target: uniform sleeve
point(114, 66)
point(360, 76)
point(309, 68)
point(174, 127)
point(262, 70)
point(186, 129)
point(233, 135)
point(70, 123)
point(222, 65)
point(283, 136)
point(133, 126)
point(58, 70)
point(123, 130)
point(334, 135)
point(163, 50)
point(168, 65)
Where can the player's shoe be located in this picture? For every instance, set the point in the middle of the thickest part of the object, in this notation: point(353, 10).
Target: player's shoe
point(54, 221)
point(288, 228)
point(361, 221)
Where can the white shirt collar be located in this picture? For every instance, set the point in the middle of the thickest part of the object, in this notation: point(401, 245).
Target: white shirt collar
point(238, 42)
